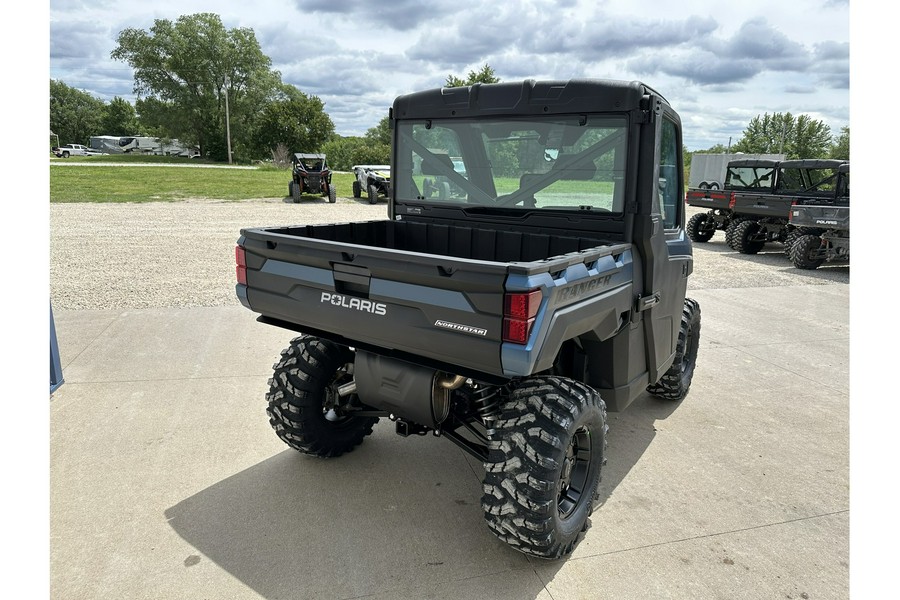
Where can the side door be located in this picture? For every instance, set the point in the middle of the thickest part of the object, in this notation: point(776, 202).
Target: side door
point(669, 257)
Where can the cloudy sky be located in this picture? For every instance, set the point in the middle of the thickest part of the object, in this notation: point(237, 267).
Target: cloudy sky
point(718, 63)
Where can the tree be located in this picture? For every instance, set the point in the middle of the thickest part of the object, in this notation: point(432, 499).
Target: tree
point(74, 115)
point(344, 152)
point(119, 118)
point(841, 147)
point(381, 133)
point(188, 67)
point(484, 75)
point(293, 119)
point(782, 133)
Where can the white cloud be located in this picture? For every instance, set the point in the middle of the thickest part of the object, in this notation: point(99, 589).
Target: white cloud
point(730, 61)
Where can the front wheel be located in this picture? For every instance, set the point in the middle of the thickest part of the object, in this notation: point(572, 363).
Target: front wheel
point(543, 465)
point(304, 401)
point(676, 382)
point(332, 194)
point(296, 191)
point(373, 194)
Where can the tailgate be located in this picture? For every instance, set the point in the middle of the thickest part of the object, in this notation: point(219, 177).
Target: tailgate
point(763, 205)
point(828, 217)
point(708, 199)
point(441, 308)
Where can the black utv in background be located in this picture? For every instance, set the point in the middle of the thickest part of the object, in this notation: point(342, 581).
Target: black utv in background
point(310, 175)
point(821, 226)
point(744, 177)
point(545, 286)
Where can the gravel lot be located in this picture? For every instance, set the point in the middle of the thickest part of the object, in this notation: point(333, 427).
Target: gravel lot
point(181, 254)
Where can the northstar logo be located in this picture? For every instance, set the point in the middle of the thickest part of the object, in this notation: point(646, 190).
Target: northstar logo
point(461, 328)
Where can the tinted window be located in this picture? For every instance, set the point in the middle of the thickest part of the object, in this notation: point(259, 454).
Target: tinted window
point(670, 196)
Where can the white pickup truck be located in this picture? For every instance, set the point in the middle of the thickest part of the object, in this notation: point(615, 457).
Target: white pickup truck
point(68, 150)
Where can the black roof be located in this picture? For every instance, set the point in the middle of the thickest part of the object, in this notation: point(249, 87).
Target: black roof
point(812, 163)
point(527, 97)
point(753, 162)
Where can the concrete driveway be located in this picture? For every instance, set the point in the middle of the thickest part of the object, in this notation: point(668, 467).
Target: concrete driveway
point(167, 481)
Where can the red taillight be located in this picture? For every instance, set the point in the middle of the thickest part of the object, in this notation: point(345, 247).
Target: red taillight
point(519, 310)
point(522, 305)
point(240, 257)
point(731, 202)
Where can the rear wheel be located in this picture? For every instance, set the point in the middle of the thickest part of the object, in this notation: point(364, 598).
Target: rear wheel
point(747, 238)
point(543, 465)
point(676, 382)
point(303, 398)
point(373, 194)
point(730, 230)
point(699, 229)
point(789, 240)
point(807, 253)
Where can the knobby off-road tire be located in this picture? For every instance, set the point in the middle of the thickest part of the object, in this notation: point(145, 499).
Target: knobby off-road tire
point(698, 229)
point(744, 235)
point(296, 191)
point(730, 230)
point(676, 382)
point(308, 374)
point(806, 252)
point(789, 240)
point(543, 465)
point(357, 191)
point(332, 194)
point(373, 194)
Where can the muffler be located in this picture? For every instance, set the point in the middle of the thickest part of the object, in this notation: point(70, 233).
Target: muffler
point(405, 390)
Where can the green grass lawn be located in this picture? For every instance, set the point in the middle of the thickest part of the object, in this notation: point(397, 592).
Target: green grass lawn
point(158, 184)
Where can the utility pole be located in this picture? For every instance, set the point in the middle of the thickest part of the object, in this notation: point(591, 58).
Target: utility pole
point(227, 119)
point(783, 133)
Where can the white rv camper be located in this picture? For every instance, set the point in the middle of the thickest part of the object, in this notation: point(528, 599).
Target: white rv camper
point(114, 144)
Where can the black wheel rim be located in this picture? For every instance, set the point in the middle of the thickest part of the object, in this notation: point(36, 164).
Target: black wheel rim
point(574, 476)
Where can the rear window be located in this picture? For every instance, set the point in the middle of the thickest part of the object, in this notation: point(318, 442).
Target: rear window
point(570, 163)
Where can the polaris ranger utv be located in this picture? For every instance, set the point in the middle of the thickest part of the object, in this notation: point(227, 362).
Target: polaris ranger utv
point(821, 227)
point(507, 317)
point(743, 177)
point(763, 218)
